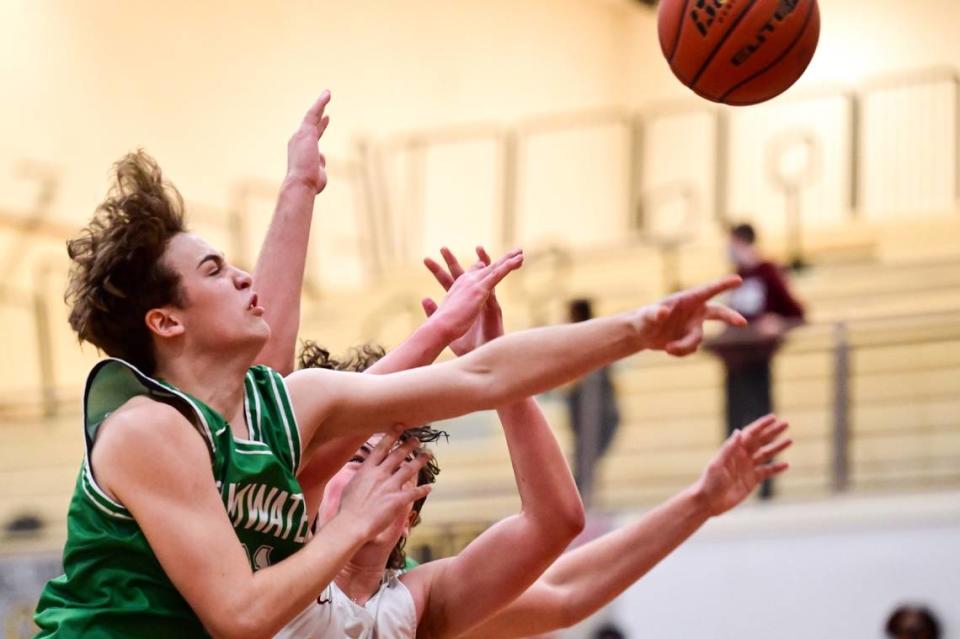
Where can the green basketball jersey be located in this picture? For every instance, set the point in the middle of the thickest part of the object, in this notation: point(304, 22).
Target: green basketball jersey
point(113, 585)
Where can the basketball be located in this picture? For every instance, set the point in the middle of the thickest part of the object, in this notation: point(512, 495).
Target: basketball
point(738, 52)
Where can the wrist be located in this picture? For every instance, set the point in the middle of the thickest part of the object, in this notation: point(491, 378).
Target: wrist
point(698, 500)
point(295, 180)
point(441, 332)
point(636, 324)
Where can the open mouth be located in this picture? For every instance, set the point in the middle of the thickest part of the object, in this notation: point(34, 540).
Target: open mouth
point(253, 302)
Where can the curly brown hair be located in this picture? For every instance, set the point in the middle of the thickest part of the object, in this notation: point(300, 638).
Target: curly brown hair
point(117, 273)
point(359, 359)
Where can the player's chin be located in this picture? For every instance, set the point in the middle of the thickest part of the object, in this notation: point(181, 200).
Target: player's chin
point(255, 332)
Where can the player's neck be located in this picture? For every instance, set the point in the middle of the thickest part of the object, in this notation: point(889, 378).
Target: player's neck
point(751, 259)
point(361, 576)
point(217, 381)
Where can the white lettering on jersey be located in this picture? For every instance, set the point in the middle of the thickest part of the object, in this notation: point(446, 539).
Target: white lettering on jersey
point(267, 509)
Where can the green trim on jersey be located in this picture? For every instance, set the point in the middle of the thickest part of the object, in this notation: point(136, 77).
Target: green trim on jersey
point(113, 585)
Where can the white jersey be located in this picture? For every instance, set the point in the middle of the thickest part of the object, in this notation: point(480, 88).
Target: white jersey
point(389, 614)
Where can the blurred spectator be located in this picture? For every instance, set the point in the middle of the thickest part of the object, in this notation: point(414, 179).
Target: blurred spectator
point(594, 415)
point(609, 631)
point(913, 622)
point(771, 309)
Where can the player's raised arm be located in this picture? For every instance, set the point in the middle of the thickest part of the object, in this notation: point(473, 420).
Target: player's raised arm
point(586, 579)
point(455, 594)
point(154, 461)
point(459, 318)
point(516, 366)
point(280, 266)
point(498, 566)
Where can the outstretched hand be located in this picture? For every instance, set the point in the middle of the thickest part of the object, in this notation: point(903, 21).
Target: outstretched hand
point(305, 163)
point(470, 308)
point(744, 461)
point(385, 485)
point(675, 324)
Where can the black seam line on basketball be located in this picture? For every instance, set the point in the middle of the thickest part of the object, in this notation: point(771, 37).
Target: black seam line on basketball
point(723, 40)
point(803, 30)
point(676, 38)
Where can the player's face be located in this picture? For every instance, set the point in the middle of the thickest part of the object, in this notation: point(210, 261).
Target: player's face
point(738, 251)
point(220, 309)
point(334, 491)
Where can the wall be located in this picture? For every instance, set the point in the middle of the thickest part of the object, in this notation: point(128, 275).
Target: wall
point(828, 569)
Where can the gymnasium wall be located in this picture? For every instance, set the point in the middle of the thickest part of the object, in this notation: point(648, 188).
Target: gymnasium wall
point(834, 568)
point(213, 90)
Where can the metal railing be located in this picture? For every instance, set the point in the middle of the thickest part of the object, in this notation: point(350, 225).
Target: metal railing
point(844, 343)
point(848, 173)
point(848, 345)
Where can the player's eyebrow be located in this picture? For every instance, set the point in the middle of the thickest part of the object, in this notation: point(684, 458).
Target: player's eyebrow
point(218, 259)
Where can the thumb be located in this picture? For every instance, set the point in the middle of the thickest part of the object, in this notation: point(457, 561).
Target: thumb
point(429, 306)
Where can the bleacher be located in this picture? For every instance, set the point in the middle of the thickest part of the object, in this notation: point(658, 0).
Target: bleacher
point(901, 315)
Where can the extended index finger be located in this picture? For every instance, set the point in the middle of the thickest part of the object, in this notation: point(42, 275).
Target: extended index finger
point(315, 112)
point(707, 291)
point(499, 269)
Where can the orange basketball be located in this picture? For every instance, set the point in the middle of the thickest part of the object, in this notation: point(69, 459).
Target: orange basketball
point(738, 51)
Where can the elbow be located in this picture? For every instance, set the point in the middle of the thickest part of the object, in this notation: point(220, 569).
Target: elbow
point(492, 382)
point(570, 517)
point(575, 519)
point(239, 630)
point(561, 527)
point(238, 624)
point(480, 386)
point(571, 520)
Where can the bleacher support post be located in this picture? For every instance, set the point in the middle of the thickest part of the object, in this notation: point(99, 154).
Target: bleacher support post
point(840, 477)
point(41, 317)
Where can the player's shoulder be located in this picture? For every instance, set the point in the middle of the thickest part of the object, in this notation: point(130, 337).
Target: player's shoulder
point(145, 441)
point(420, 579)
point(144, 420)
point(311, 380)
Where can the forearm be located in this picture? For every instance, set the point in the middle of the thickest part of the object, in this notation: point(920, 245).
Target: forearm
point(526, 363)
point(500, 373)
point(420, 349)
point(548, 494)
point(584, 580)
point(279, 273)
point(279, 593)
point(594, 574)
point(551, 517)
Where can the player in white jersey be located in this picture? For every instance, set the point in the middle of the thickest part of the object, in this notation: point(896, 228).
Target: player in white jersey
point(368, 601)
point(371, 598)
point(380, 603)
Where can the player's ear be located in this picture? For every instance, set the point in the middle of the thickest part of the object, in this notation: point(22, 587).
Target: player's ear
point(412, 517)
point(163, 322)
